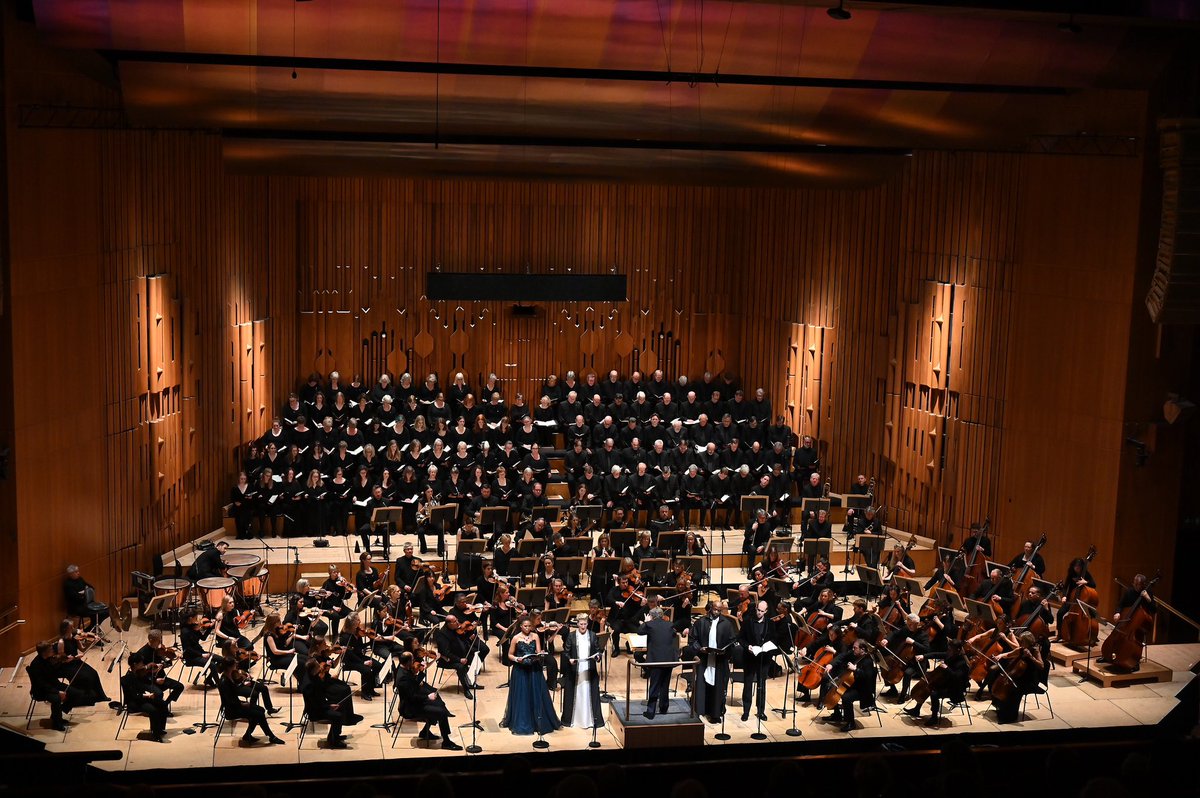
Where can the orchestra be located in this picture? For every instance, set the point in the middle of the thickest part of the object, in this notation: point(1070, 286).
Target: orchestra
point(847, 651)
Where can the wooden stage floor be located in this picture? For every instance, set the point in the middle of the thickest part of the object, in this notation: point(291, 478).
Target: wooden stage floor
point(1076, 705)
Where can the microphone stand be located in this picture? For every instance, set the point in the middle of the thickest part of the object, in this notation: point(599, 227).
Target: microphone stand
point(540, 743)
point(793, 731)
point(722, 735)
point(474, 724)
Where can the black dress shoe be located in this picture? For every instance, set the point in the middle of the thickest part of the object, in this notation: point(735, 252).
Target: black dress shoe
point(337, 744)
point(467, 694)
point(848, 726)
point(62, 727)
point(275, 740)
point(249, 739)
point(933, 723)
point(450, 745)
point(912, 712)
point(745, 717)
point(648, 714)
point(426, 734)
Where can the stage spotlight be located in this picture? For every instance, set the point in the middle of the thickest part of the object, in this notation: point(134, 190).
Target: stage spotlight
point(840, 13)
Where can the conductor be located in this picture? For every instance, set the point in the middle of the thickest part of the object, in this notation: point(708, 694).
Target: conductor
point(660, 647)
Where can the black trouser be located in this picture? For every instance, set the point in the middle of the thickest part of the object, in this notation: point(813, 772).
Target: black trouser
point(155, 708)
point(848, 699)
point(369, 670)
point(242, 517)
point(435, 711)
point(339, 514)
point(660, 688)
point(256, 693)
point(75, 698)
point(257, 717)
point(427, 528)
point(331, 716)
point(460, 670)
point(754, 676)
point(175, 688)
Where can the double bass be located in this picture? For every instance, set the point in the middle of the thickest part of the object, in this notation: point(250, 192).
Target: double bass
point(1123, 646)
point(975, 562)
point(1079, 628)
point(1023, 579)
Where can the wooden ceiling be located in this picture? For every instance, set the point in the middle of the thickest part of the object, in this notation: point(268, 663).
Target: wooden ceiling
point(662, 90)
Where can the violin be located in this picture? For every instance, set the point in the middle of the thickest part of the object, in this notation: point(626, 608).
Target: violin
point(382, 580)
point(286, 629)
point(203, 624)
point(244, 618)
point(366, 632)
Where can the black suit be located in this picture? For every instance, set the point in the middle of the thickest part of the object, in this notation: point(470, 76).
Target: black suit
point(660, 647)
point(755, 632)
point(416, 704)
point(44, 685)
point(320, 707)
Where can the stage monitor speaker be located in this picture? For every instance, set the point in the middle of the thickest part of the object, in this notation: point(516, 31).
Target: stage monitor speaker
point(1174, 295)
point(482, 287)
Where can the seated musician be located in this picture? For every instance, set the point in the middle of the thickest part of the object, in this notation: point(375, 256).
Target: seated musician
point(1035, 607)
point(406, 569)
point(624, 603)
point(912, 633)
point(618, 518)
point(365, 581)
point(46, 685)
point(502, 556)
point(421, 702)
point(820, 578)
point(663, 522)
point(504, 610)
point(427, 596)
point(998, 588)
point(328, 700)
point(1025, 668)
point(560, 547)
point(952, 686)
point(336, 590)
point(282, 645)
point(866, 522)
point(723, 498)
point(256, 691)
point(557, 595)
point(999, 635)
point(822, 604)
point(71, 667)
point(80, 596)
point(644, 549)
point(456, 651)
point(143, 695)
point(228, 627)
point(773, 564)
point(209, 564)
point(949, 573)
point(159, 658)
point(864, 624)
point(898, 563)
point(979, 534)
point(858, 660)
point(1138, 590)
point(1028, 556)
point(356, 640)
point(232, 686)
point(191, 640)
point(829, 641)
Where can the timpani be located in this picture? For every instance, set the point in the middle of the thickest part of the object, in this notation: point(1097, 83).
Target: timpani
point(213, 591)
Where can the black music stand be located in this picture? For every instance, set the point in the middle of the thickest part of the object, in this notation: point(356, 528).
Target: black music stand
point(532, 597)
point(495, 518)
point(870, 548)
point(654, 568)
point(523, 567)
point(692, 563)
point(913, 586)
point(443, 516)
point(950, 597)
point(589, 515)
point(549, 512)
point(814, 506)
point(982, 610)
point(604, 570)
point(815, 548)
point(623, 540)
point(469, 548)
point(857, 501)
point(752, 504)
point(570, 566)
point(671, 541)
point(387, 516)
point(782, 588)
point(869, 577)
point(530, 546)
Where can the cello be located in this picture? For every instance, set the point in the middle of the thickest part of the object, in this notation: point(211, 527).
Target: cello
point(1124, 645)
point(1079, 628)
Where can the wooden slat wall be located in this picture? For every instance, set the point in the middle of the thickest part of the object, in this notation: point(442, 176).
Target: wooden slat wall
point(934, 331)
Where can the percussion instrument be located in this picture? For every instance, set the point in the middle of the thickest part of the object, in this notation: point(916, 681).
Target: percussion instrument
point(180, 587)
point(240, 560)
point(214, 589)
point(253, 588)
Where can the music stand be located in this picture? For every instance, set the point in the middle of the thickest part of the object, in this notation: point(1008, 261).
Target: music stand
point(622, 540)
point(570, 566)
point(523, 567)
point(548, 512)
point(604, 569)
point(982, 610)
point(871, 548)
point(913, 586)
point(654, 568)
point(950, 597)
point(814, 505)
point(442, 516)
point(472, 547)
point(815, 548)
point(530, 546)
point(752, 504)
point(559, 615)
point(160, 604)
point(494, 518)
point(387, 516)
point(870, 577)
point(1092, 614)
point(781, 587)
point(944, 552)
point(581, 544)
point(692, 563)
point(589, 514)
point(532, 597)
point(857, 501)
point(992, 566)
point(671, 540)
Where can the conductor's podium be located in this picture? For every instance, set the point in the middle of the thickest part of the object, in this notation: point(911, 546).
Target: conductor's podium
point(675, 727)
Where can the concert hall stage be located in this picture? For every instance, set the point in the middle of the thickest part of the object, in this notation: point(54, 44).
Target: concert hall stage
point(1072, 705)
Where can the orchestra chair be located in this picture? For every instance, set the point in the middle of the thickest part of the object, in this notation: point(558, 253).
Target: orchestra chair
point(1041, 689)
point(963, 708)
point(125, 713)
point(33, 702)
point(400, 718)
point(222, 720)
point(305, 722)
